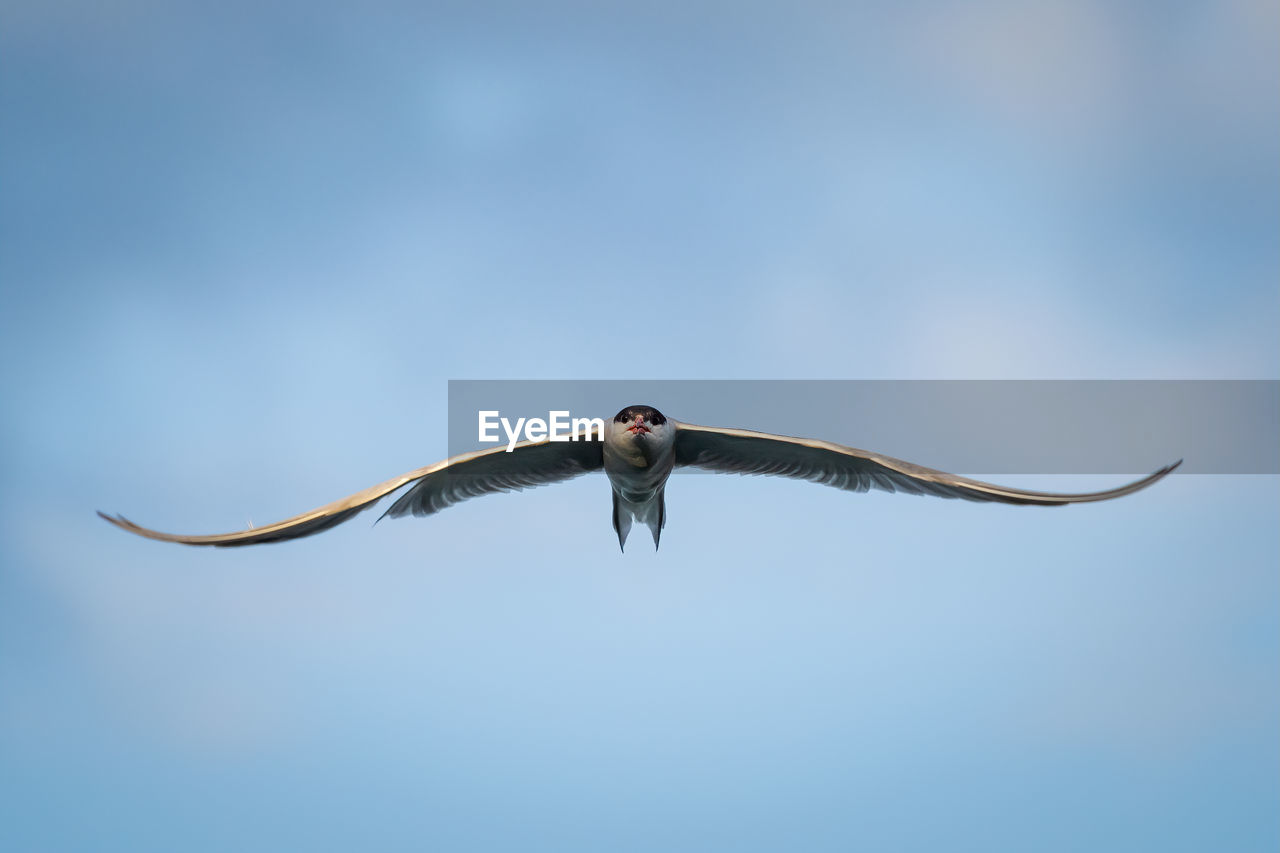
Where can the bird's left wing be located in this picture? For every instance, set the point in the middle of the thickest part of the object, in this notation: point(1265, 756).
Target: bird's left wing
point(741, 451)
point(530, 463)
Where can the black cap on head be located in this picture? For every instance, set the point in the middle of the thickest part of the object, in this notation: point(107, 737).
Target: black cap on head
point(649, 413)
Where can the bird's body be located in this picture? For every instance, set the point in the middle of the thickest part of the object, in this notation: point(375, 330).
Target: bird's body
point(639, 456)
point(638, 451)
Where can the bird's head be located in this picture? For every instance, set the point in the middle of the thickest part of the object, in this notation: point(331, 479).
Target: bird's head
point(640, 421)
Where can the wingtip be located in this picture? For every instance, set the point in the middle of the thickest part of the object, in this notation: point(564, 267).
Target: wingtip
point(1156, 476)
point(121, 522)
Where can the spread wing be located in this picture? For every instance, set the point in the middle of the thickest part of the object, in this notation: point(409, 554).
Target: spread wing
point(530, 463)
point(740, 451)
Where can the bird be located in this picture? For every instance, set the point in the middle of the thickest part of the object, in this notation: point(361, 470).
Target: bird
point(638, 450)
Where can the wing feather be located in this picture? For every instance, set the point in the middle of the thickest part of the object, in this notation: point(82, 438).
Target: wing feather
point(740, 451)
point(435, 487)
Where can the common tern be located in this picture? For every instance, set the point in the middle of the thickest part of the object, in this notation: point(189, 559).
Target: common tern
point(638, 451)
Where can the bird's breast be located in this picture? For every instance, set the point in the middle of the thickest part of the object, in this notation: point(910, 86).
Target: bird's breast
point(638, 466)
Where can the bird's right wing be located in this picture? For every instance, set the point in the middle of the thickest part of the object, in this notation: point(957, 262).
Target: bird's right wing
point(529, 464)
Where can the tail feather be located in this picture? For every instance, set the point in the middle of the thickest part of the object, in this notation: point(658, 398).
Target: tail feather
point(656, 525)
point(621, 522)
point(652, 513)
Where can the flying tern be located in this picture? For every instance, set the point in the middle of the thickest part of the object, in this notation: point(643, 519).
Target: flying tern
point(637, 451)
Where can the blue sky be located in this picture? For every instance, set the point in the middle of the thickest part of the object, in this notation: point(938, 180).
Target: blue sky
point(246, 247)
